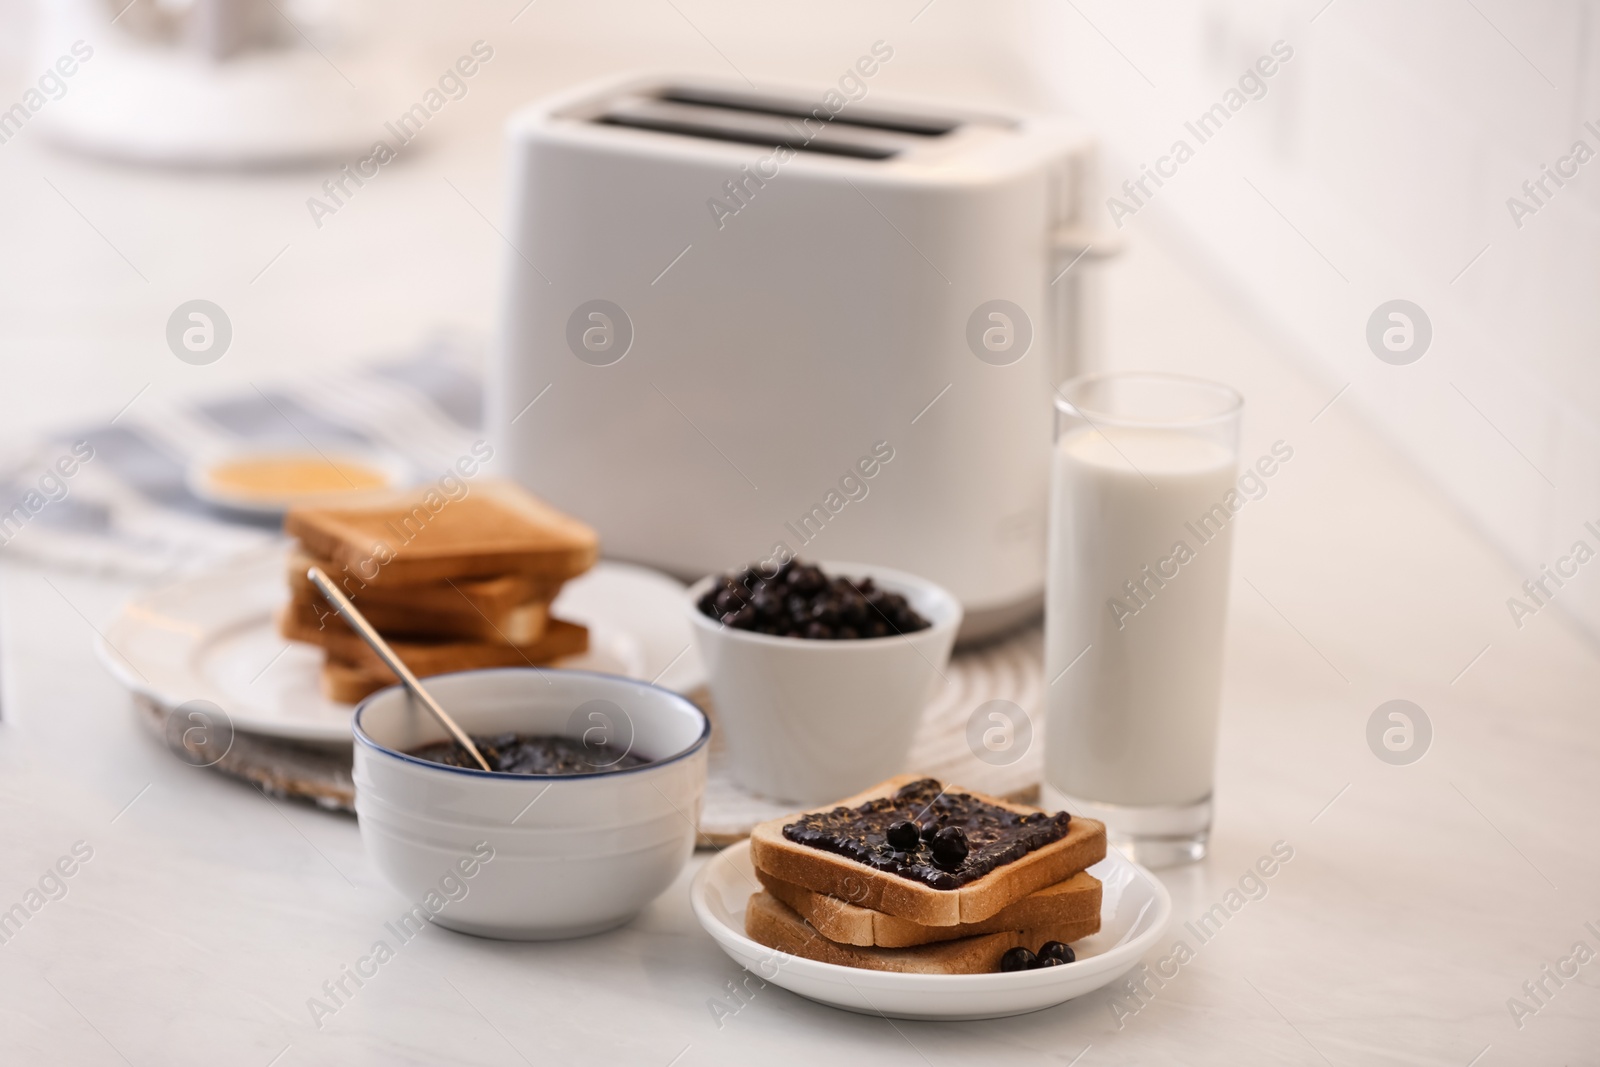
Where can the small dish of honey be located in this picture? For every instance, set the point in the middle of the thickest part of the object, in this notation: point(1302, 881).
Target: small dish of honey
point(270, 480)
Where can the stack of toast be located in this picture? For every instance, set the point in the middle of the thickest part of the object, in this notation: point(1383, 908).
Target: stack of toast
point(823, 905)
point(452, 584)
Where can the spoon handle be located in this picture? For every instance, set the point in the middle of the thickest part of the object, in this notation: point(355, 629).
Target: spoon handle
point(360, 625)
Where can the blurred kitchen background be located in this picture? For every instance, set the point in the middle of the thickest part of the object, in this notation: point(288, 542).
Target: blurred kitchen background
point(1377, 165)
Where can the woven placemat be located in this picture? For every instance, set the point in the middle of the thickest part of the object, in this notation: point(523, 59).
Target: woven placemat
point(949, 745)
point(316, 773)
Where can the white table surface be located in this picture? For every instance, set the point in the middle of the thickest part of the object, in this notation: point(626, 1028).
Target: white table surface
point(1419, 898)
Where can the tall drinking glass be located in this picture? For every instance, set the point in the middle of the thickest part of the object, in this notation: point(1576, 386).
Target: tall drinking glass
point(1142, 509)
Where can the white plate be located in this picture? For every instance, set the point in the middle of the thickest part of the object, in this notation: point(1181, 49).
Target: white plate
point(1134, 911)
point(212, 637)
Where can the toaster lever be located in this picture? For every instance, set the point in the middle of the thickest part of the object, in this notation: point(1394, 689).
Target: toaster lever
point(1074, 297)
point(1073, 243)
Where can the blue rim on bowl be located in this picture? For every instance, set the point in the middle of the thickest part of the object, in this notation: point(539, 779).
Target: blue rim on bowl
point(678, 698)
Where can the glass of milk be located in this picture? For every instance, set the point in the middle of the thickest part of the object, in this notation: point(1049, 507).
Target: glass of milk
point(1142, 510)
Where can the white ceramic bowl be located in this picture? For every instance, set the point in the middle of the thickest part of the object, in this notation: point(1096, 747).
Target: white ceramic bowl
point(812, 721)
point(531, 857)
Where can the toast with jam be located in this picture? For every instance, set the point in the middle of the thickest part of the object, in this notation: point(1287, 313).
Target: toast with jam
point(776, 925)
point(1074, 902)
point(916, 849)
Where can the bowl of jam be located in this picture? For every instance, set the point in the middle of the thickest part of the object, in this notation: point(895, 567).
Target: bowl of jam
point(586, 815)
point(819, 672)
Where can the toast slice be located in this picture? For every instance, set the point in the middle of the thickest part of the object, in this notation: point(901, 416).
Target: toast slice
point(349, 682)
point(560, 638)
point(1076, 900)
point(522, 625)
point(489, 596)
point(419, 535)
point(350, 685)
point(776, 925)
point(883, 891)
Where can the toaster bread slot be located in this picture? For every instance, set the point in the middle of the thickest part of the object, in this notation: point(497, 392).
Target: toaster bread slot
point(789, 107)
point(748, 127)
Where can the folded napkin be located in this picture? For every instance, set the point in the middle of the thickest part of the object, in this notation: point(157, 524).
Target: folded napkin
point(110, 496)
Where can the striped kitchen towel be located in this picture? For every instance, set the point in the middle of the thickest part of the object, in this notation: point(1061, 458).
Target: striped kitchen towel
point(111, 497)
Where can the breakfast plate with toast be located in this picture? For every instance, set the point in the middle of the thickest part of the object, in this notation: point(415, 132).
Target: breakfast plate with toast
point(489, 579)
point(916, 899)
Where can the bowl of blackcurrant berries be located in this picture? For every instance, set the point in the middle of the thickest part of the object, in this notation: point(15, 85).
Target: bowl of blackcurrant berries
point(819, 672)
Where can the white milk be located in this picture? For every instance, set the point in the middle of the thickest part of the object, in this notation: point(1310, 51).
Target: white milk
point(1134, 721)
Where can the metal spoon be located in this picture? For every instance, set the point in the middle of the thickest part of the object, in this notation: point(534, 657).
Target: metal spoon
point(360, 625)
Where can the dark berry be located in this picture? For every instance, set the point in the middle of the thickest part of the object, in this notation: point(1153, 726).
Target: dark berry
point(799, 600)
point(904, 836)
point(807, 579)
point(1057, 950)
point(1018, 959)
point(825, 610)
point(929, 828)
point(852, 606)
point(949, 847)
point(1052, 961)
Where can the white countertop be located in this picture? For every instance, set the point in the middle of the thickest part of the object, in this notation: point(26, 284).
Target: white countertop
point(1419, 899)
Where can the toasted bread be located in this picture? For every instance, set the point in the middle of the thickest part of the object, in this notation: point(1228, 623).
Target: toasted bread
point(349, 681)
point(417, 536)
point(846, 879)
point(776, 925)
point(1076, 900)
point(560, 638)
point(493, 597)
point(522, 625)
point(351, 685)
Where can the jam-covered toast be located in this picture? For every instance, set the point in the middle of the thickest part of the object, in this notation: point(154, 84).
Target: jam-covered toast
point(1010, 851)
point(1075, 900)
point(778, 926)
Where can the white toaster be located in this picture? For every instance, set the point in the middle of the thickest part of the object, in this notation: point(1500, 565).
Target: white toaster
point(740, 326)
